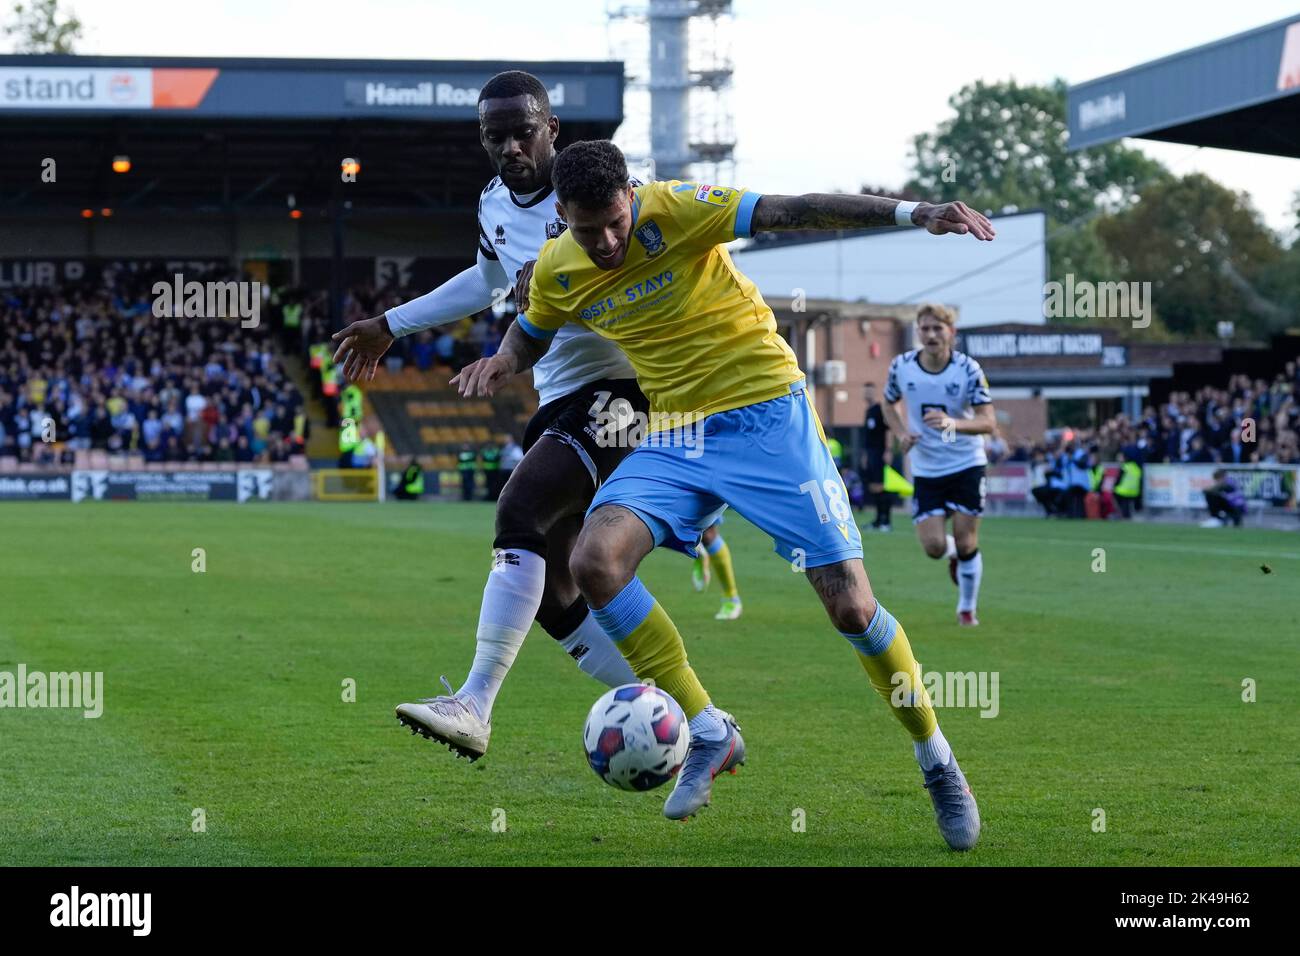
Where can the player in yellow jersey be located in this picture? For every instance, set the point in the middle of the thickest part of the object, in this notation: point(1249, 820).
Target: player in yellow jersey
point(713, 553)
point(731, 425)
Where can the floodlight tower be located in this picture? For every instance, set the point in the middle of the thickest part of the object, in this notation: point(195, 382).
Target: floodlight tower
point(684, 63)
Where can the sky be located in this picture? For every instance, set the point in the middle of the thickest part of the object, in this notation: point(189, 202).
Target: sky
point(802, 122)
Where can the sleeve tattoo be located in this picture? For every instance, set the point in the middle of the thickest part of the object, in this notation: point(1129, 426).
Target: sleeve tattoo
point(823, 211)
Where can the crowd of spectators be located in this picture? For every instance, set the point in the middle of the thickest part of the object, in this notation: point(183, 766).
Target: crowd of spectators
point(1251, 421)
point(452, 346)
point(1248, 421)
point(88, 366)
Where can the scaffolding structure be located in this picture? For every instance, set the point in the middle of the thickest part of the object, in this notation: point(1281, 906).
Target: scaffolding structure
point(677, 60)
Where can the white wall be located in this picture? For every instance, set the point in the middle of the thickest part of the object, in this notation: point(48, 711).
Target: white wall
point(989, 282)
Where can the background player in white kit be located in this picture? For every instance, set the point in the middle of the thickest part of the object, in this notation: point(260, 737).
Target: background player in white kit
point(938, 400)
point(540, 510)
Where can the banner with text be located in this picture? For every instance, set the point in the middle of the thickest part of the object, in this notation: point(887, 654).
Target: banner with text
point(250, 484)
point(1183, 485)
point(35, 487)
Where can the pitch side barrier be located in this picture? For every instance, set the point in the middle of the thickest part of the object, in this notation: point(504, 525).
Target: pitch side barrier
point(179, 482)
point(1170, 492)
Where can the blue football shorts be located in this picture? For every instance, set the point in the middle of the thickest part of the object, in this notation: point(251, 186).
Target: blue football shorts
point(768, 461)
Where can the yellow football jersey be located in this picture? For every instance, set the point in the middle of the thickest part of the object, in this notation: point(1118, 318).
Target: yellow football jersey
point(699, 335)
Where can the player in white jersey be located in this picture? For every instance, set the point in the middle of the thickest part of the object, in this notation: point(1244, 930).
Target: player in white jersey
point(585, 383)
point(938, 400)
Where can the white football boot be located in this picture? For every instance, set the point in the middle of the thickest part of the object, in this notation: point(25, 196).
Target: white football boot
point(448, 720)
point(730, 609)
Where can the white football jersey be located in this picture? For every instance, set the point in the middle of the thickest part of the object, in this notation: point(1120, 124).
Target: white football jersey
point(511, 230)
point(955, 390)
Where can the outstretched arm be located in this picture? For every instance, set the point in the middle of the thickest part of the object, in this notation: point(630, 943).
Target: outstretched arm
point(363, 343)
point(848, 211)
point(519, 352)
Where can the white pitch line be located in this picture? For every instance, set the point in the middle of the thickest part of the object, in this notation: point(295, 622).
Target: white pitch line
point(1182, 549)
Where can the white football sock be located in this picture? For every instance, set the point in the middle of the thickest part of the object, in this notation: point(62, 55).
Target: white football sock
point(951, 551)
point(969, 573)
point(933, 752)
point(597, 655)
point(708, 724)
point(511, 598)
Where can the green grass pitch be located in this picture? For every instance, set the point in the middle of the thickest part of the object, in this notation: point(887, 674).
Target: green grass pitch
point(1119, 690)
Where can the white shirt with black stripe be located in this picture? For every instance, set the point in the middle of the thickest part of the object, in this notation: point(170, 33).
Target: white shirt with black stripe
point(956, 390)
point(511, 230)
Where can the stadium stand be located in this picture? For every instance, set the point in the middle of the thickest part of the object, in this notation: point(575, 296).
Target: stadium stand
point(91, 378)
point(89, 373)
point(1205, 426)
point(421, 415)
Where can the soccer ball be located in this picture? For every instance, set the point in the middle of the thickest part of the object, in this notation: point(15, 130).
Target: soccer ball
point(636, 737)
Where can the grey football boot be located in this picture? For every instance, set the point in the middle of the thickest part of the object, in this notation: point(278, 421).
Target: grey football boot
point(704, 761)
point(954, 805)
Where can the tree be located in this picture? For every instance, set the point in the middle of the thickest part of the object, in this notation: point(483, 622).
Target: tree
point(1206, 252)
point(1006, 149)
point(1280, 282)
point(1080, 251)
point(40, 27)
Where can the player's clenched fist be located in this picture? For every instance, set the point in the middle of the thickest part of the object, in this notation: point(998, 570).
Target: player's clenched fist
point(483, 377)
point(937, 419)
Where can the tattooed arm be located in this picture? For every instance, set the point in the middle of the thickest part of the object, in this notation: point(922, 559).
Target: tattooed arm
point(847, 211)
point(519, 352)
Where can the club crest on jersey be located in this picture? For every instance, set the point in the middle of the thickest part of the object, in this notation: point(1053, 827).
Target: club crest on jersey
point(553, 229)
point(501, 235)
point(652, 237)
point(714, 195)
point(563, 279)
point(952, 388)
